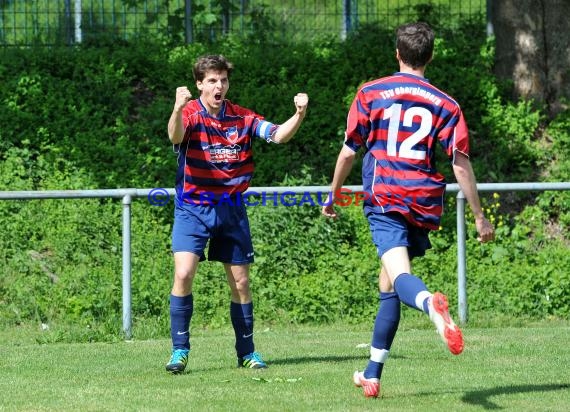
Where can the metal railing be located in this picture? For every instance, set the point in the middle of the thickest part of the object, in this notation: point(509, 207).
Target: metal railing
point(127, 195)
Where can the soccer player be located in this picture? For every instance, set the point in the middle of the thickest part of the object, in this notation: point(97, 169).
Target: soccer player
point(213, 140)
point(398, 121)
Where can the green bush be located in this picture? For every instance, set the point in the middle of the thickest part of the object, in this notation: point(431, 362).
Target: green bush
point(95, 117)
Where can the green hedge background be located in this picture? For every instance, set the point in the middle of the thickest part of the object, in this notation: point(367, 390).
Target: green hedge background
point(95, 117)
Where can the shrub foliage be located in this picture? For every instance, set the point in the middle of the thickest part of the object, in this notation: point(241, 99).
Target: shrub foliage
point(95, 117)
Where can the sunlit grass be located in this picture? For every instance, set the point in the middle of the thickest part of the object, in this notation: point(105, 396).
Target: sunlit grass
point(310, 370)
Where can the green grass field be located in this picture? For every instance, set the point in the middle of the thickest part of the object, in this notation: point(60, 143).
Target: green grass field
point(518, 369)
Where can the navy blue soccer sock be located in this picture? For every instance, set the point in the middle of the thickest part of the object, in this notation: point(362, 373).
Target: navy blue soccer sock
point(181, 309)
point(385, 327)
point(242, 321)
point(412, 291)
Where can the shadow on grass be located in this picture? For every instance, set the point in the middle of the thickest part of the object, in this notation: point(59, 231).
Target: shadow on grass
point(481, 397)
point(312, 359)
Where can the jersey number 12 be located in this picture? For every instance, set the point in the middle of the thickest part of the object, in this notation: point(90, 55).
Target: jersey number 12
point(394, 113)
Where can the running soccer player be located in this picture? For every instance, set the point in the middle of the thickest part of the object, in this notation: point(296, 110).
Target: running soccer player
point(398, 121)
point(213, 140)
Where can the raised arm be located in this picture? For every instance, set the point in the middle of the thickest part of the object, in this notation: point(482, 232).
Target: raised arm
point(175, 124)
point(288, 129)
point(466, 180)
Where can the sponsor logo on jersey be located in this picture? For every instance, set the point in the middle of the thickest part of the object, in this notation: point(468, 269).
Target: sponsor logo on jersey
point(224, 153)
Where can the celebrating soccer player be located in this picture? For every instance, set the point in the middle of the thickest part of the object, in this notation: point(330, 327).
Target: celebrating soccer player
point(398, 121)
point(213, 141)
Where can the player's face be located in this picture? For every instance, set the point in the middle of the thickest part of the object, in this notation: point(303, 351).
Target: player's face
point(213, 90)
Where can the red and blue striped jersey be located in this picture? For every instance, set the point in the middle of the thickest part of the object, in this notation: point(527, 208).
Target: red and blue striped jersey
point(215, 158)
point(398, 120)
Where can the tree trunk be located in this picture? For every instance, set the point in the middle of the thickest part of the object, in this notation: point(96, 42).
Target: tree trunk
point(533, 49)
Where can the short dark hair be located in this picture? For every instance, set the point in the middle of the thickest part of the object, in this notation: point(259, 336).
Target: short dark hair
point(415, 44)
point(215, 62)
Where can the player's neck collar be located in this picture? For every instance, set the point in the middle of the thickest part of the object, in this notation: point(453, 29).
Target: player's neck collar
point(220, 114)
point(412, 75)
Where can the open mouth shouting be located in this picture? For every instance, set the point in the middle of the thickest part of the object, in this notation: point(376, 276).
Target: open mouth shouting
point(213, 90)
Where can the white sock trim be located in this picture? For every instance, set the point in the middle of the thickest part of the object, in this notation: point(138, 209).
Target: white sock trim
point(378, 355)
point(420, 299)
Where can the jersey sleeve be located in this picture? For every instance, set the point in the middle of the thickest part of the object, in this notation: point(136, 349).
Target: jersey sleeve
point(357, 123)
point(455, 135)
point(188, 119)
point(264, 129)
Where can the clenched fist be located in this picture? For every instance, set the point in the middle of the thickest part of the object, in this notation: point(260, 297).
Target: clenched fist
point(183, 95)
point(301, 101)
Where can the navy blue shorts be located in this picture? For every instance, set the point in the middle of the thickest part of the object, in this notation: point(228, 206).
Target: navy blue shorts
point(225, 225)
point(390, 230)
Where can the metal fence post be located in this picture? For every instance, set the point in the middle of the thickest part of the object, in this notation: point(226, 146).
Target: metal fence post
point(461, 260)
point(78, 18)
point(188, 21)
point(127, 266)
point(489, 17)
point(346, 19)
point(68, 24)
